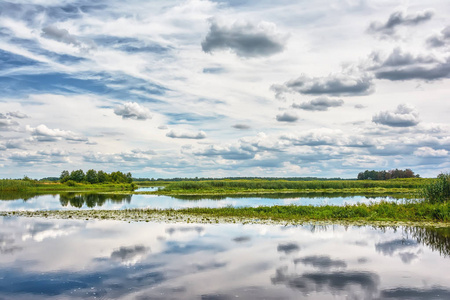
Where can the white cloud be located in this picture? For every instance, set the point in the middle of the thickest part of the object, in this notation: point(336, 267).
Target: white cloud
point(176, 134)
point(404, 116)
point(149, 63)
point(132, 110)
point(287, 116)
point(42, 133)
point(430, 152)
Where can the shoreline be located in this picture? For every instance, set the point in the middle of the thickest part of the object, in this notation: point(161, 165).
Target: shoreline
point(363, 215)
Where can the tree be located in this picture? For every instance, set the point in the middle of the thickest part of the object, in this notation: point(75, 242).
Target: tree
point(91, 176)
point(77, 175)
point(64, 176)
point(102, 176)
point(129, 177)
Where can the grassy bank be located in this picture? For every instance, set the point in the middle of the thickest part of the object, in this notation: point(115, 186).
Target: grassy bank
point(262, 187)
point(34, 186)
point(376, 212)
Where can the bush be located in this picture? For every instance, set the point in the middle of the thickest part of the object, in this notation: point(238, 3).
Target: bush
point(71, 183)
point(438, 191)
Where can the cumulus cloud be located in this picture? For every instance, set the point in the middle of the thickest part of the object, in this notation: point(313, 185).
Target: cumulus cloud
point(126, 157)
point(227, 152)
point(399, 19)
point(404, 116)
point(400, 65)
point(241, 126)
point(13, 144)
point(16, 114)
point(175, 134)
point(7, 124)
point(327, 137)
point(287, 116)
point(319, 104)
point(430, 152)
point(60, 35)
point(440, 40)
point(44, 156)
point(245, 39)
point(132, 110)
point(42, 133)
point(360, 106)
point(335, 85)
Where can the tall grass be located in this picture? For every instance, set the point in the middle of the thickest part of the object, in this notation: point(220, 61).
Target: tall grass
point(292, 185)
point(10, 185)
point(382, 211)
point(437, 191)
point(23, 185)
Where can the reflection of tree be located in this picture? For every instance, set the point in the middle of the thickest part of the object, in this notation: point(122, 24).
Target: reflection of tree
point(91, 200)
point(17, 195)
point(438, 239)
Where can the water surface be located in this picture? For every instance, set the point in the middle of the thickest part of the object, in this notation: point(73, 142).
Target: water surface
point(74, 259)
point(116, 202)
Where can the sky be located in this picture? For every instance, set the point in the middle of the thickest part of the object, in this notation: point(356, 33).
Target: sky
point(237, 88)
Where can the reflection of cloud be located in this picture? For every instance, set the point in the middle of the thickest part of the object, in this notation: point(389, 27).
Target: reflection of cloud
point(288, 248)
point(407, 257)
point(210, 266)
point(241, 239)
point(435, 292)
point(111, 283)
point(172, 230)
point(129, 255)
point(321, 262)
point(7, 245)
point(216, 297)
point(388, 248)
point(41, 231)
point(192, 247)
point(334, 282)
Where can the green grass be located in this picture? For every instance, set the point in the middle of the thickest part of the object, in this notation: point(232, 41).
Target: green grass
point(383, 211)
point(393, 213)
point(33, 186)
point(256, 186)
point(438, 190)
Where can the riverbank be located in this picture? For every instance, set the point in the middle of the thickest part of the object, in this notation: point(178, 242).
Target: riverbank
point(384, 212)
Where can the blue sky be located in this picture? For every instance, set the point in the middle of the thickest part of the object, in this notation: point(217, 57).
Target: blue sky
point(224, 88)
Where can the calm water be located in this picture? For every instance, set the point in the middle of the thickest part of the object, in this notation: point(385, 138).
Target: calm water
point(74, 259)
point(100, 201)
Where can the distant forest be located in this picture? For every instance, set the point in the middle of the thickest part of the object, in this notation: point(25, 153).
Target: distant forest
point(385, 175)
point(93, 176)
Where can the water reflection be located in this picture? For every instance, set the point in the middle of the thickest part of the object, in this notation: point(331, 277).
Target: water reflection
point(91, 200)
point(72, 259)
point(76, 200)
point(312, 195)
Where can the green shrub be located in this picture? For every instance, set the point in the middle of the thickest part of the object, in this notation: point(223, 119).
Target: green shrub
point(71, 183)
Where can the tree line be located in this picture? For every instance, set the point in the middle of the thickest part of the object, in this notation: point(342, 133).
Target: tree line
point(385, 175)
point(93, 176)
